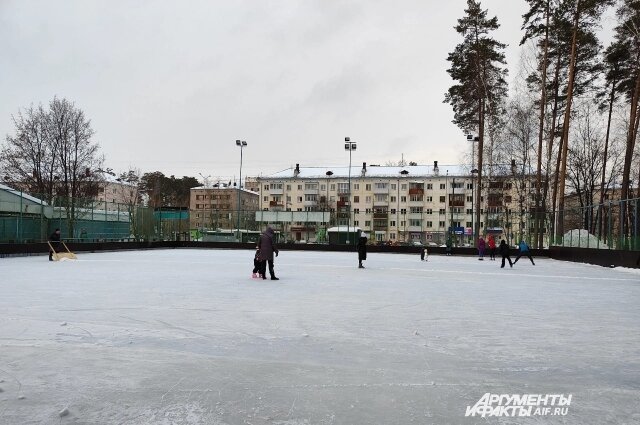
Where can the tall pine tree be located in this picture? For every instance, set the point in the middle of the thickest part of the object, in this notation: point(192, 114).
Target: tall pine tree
point(479, 76)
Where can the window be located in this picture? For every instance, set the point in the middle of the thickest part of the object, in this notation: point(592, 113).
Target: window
point(288, 198)
point(265, 198)
point(381, 198)
point(333, 186)
point(367, 187)
point(368, 199)
point(356, 211)
point(414, 222)
point(392, 223)
point(299, 198)
point(441, 224)
point(457, 185)
point(343, 187)
point(367, 223)
point(441, 211)
point(442, 186)
point(276, 186)
point(356, 223)
point(415, 198)
point(403, 186)
point(323, 187)
point(381, 186)
point(429, 186)
point(403, 211)
point(469, 211)
point(469, 185)
point(392, 235)
point(393, 210)
point(311, 198)
point(429, 199)
point(442, 199)
point(429, 223)
point(266, 187)
point(356, 186)
point(469, 198)
point(299, 187)
point(403, 223)
point(288, 187)
point(429, 211)
point(356, 199)
point(368, 211)
point(415, 210)
point(393, 186)
point(469, 224)
point(403, 199)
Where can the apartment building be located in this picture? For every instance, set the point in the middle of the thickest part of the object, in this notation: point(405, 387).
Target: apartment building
point(216, 207)
point(392, 204)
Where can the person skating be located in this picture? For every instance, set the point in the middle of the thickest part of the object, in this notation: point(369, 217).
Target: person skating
point(448, 244)
point(524, 250)
point(424, 254)
point(54, 239)
point(481, 246)
point(504, 252)
point(267, 249)
point(492, 248)
point(257, 264)
point(362, 250)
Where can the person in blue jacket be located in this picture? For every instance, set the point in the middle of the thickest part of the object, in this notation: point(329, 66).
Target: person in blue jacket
point(524, 250)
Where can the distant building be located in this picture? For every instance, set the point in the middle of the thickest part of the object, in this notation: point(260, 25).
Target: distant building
point(212, 208)
point(416, 203)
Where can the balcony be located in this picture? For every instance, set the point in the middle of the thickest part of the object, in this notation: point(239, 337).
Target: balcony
point(416, 191)
point(380, 215)
point(380, 226)
point(456, 203)
point(381, 203)
point(380, 190)
point(311, 191)
point(310, 203)
point(276, 191)
point(342, 204)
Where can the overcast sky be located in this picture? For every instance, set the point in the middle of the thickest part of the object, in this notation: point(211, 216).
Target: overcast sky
point(170, 85)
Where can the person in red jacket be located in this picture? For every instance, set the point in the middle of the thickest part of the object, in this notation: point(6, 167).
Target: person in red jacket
point(492, 247)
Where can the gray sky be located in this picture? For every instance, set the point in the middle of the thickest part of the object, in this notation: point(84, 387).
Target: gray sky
point(170, 85)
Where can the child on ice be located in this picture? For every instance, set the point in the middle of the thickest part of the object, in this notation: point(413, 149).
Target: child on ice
point(424, 254)
point(257, 265)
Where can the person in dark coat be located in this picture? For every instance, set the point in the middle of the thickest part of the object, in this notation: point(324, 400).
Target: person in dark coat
point(504, 252)
point(524, 250)
point(54, 239)
point(448, 244)
point(481, 246)
point(424, 254)
point(267, 249)
point(362, 250)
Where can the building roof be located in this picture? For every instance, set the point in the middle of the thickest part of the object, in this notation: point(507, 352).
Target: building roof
point(224, 188)
point(372, 171)
point(22, 194)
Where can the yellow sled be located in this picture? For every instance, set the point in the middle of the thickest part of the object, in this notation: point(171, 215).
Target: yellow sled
point(57, 256)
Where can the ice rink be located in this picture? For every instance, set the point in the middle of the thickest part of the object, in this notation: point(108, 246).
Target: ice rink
point(185, 336)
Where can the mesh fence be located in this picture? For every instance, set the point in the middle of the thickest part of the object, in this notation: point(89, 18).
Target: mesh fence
point(612, 225)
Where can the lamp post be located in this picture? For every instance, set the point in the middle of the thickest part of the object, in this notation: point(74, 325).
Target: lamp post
point(241, 144)
point(349, 146)
point(205, 182)
point(326, 206)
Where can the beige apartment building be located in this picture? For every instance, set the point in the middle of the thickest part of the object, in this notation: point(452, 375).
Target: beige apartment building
point(392, 203)
point(215, 207)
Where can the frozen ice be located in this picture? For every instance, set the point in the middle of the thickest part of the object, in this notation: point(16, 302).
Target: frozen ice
point(185, 336)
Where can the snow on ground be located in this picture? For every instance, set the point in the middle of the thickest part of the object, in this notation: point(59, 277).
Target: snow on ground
point(185, 336)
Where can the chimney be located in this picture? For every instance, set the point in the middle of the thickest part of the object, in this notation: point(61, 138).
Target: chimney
point(435, 168)
point(297, 170)
point(364, 168)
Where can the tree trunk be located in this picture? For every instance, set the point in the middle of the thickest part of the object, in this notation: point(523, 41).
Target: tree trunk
point(604, 162)
point(554, 117)
point(543, 104)
point(567, 120)
point(480, 157)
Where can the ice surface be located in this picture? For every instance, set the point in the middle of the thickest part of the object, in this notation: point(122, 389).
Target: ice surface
point(185, 336)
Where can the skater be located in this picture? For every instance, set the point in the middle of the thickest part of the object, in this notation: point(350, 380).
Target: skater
point(55, 242)
point(449, 244)
point(524, 250)
point(504, 252)
point(267, 249)
point(362, 250)
point(481, 246)
point(492, 247)
point(257, 265)
point(424, 254)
